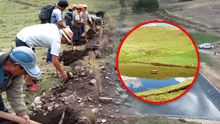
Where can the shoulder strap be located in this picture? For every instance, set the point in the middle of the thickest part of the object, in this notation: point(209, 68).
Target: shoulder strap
point(56, 7)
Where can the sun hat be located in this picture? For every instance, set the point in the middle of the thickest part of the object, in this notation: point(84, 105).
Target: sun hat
point(84, 5)
point(26, 58)
point(67, 33)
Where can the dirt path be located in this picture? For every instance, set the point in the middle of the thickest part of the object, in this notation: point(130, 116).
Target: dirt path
point(23, 3)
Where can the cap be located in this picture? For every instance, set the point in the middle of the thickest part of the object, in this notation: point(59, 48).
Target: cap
point(84, 5)
point(67, 33)
point(26, 58)
point(73, 6)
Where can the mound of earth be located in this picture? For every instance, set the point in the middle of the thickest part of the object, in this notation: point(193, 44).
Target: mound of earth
point(77, 100)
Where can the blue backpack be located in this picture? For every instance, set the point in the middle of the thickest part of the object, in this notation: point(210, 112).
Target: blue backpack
point(45, 13)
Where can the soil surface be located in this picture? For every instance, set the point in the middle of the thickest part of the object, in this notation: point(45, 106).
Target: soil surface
point(77, 98)
point(74, 96)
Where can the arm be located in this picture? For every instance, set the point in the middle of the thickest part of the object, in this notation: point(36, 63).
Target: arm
point(14, 96)
point(58, 66)
point(81, 22)
point(77, 18)
point(59, 19)
point(60, 23)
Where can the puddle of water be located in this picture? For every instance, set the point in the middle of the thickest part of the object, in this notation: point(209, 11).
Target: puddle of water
point(142, 84)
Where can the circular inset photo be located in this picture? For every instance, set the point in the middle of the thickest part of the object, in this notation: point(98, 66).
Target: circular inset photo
point(157, 62)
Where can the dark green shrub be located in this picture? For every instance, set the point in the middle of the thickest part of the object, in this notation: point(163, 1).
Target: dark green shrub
point(145, 6)
point(184, 0)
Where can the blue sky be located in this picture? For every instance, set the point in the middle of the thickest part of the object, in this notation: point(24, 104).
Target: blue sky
point(160, 24)
point(141, 84)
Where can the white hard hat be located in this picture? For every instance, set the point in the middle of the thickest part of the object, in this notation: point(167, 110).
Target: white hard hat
point(84, 5)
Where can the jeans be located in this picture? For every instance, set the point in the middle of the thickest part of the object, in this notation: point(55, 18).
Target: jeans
point(19, 42)
point(120, 26)
point(81, 30)
point(49, 56)
point(76, 32)
point(2, 105)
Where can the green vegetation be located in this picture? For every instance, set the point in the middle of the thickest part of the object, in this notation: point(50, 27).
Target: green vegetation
point(162, 94)
point(157, 44)
point(145, 6)
point(175, 8)
point(200, 38)
point(163, 72)
point(184, 0)
point(151, 120)
point(203, 58)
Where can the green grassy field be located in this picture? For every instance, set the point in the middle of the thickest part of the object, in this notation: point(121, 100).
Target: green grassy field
point(163, 95)
point(157, 44)
point(200, 38)
point(163, 72)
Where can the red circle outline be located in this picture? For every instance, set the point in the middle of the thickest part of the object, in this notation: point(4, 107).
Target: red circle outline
point(178, 28)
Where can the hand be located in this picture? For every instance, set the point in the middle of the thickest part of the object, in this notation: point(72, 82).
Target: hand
point(27, 118)
point(64, 74)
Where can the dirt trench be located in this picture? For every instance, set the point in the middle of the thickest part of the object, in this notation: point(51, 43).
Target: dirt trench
point(170, 65)
point(23, 3)
point(76, 96)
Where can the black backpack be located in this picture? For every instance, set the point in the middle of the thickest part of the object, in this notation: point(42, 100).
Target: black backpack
point(45, 13)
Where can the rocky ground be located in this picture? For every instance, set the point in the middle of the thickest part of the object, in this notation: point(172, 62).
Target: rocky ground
point(78, 98)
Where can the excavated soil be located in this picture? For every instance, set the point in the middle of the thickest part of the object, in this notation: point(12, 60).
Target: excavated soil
point(76, 96)
point(68, 57)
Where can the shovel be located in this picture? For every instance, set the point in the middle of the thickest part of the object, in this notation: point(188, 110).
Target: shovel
point(92, 28)
point(15, 118)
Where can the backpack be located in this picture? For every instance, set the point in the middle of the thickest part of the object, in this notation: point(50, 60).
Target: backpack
point(45, 13)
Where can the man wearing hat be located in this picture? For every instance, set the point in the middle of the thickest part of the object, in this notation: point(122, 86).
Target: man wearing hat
point(85, 16)
point(20, 61)
point(69, 14)
point(122, 15)
point(77, 22)
point(48, 36)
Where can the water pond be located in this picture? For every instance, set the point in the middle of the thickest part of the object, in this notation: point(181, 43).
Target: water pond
point(136, 85)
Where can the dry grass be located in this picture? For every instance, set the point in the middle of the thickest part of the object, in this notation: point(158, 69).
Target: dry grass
point(98, 83)
point(92, 63)
point(91, 116)
point(104, 44)
point(101, 31)
point(91, 56)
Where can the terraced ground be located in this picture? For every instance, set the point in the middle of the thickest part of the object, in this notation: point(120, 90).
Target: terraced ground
point(165, 49)
point(167, 93)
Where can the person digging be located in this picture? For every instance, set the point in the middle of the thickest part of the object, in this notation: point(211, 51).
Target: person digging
point(47, 36)
point(77, 22)
point(20, 61)
point(85, 16)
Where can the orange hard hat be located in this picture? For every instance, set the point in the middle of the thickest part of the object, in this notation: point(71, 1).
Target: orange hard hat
point(81, 6)
point(73, 6)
